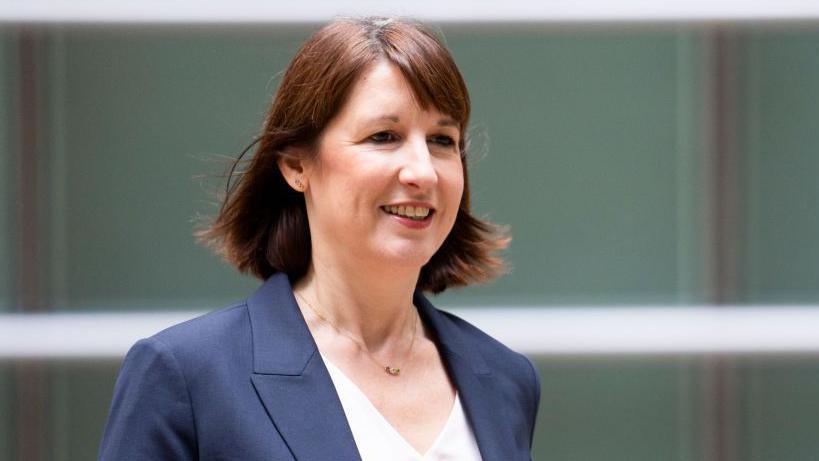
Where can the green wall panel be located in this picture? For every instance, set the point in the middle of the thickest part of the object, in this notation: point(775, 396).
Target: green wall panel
point(146, 115)
point(616, 410)
point(582, 159)
point(781, 409)
point(782, 144)
point(83, 394)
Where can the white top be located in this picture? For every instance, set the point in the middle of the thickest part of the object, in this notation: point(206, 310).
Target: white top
point(378, 440)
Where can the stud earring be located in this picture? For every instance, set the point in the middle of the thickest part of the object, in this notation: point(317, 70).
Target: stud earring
point(299, 184)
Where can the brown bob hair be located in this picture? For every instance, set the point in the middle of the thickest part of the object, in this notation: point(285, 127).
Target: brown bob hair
point(262, 228)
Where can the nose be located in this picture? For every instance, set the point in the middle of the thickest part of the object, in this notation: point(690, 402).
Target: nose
point(417, 169)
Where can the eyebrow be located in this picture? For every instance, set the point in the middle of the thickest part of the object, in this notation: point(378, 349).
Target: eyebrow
point(389, 118)
point(448, 122)
point(396, 119)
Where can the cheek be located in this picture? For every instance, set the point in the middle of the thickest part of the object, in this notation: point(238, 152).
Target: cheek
point(354, 191)
point(337, 177)
point(455, 181)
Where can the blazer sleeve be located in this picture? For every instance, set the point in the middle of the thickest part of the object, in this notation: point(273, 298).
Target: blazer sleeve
point(535, 390)
point(151, 416)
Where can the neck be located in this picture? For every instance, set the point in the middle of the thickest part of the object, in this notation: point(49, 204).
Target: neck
point(375, 306)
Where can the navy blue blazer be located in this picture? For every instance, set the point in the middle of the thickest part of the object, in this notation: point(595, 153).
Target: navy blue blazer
point(246, 383)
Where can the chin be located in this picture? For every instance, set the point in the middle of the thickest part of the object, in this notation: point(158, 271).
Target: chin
point(402, 256)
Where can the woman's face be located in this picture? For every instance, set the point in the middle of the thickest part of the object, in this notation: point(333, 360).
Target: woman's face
point(387, 181)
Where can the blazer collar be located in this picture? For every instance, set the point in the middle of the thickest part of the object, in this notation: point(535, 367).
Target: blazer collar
point(311, 418)
point(282, 343)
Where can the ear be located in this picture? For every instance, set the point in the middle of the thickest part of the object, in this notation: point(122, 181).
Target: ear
point(292, 165)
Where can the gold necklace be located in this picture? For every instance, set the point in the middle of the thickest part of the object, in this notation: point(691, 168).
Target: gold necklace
point(392, 371)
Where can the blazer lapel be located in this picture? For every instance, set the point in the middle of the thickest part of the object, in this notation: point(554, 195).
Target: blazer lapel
point(291, 379)
point(475, 384)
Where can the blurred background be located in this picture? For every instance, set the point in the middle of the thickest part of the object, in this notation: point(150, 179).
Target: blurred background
point(643, 159)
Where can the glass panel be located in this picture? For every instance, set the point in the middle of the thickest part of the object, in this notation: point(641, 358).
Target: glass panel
point(614, 408)
point(579, 150)
point(147, 113)
point(781, 404)
point(782, 162)
point(82, 392)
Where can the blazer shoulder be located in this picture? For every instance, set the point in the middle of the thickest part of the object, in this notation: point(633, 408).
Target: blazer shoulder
point(498, 356)
point(211, 337)
point(206, 327)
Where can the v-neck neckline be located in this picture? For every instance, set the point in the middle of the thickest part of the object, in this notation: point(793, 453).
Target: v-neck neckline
point(335, 371)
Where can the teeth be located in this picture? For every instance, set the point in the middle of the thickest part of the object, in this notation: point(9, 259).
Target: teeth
point(408, 211)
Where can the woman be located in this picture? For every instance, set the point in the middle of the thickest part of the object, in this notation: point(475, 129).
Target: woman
point(354, 203)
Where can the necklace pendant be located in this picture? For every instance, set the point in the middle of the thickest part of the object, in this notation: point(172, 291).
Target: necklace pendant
point(392, 371)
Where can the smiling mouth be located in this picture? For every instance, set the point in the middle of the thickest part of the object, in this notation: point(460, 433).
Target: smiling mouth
point(415, 213)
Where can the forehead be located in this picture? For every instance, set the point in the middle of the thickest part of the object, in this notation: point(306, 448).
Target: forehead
point(380, 89)
point(382, 84)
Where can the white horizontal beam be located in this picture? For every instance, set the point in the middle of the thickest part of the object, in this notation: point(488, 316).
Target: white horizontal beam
point(654, 330)
point(79, 335)
point(308, 11)
point(535, 331)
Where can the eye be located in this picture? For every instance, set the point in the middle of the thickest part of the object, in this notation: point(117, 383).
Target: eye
point(442, 140)
point(383, 137)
